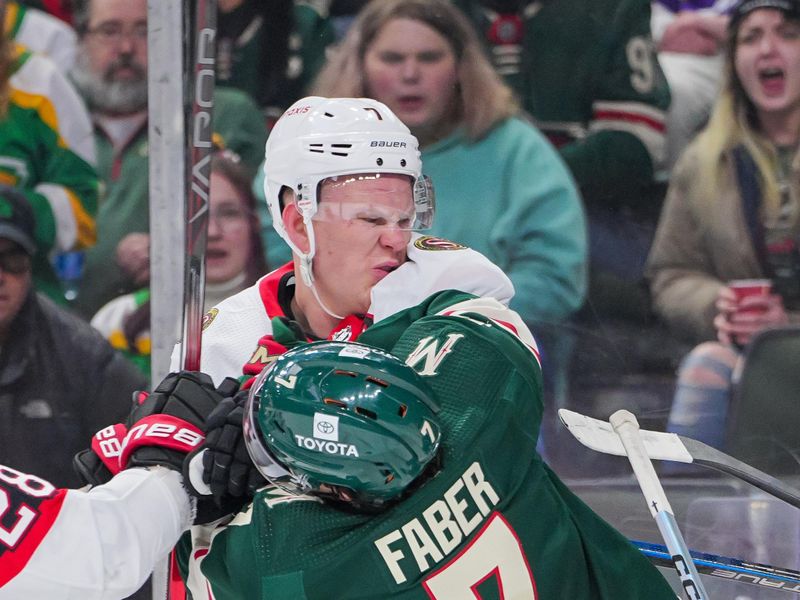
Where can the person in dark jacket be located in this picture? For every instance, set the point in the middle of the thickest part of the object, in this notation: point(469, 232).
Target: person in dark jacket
point(60, 381)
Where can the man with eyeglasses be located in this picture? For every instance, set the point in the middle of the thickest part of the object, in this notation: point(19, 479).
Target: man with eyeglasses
point(111, 74)
point(60, 381)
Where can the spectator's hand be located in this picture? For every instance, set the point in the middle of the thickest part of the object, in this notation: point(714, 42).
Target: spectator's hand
point(133, 257)
point(687, 34)
point(737, 322)
point(715, 26)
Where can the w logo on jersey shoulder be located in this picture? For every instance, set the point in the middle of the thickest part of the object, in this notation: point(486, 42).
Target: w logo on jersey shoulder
point(432, 352)
point(497, 315)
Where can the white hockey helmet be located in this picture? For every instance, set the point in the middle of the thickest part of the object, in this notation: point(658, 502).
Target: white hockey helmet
point(317, 138)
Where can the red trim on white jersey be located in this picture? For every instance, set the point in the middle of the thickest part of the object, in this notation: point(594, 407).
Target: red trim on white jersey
point(13, 560)
point(268, 288)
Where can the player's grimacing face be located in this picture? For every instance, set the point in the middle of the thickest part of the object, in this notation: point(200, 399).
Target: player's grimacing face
point(361, 236)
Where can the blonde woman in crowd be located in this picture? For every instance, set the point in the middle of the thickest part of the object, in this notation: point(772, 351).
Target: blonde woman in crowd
point(733, 212)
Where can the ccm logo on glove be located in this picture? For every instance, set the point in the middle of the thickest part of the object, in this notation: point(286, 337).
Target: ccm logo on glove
point(161, 430)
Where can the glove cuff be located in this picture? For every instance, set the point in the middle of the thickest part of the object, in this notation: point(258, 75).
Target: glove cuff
point(107, 444)
point(163, 431)
point(193, 474)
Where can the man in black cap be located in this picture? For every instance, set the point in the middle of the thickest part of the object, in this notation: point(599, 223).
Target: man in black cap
point(60, 381)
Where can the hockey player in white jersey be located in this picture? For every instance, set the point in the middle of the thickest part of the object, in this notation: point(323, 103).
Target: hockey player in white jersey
point(345, 188)
point(102, 544)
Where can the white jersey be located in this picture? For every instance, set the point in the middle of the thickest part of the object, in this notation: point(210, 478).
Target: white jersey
point(232, 330)
point(43, 33)
point(95, 545)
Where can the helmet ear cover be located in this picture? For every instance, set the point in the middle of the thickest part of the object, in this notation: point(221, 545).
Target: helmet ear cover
point(343, 421)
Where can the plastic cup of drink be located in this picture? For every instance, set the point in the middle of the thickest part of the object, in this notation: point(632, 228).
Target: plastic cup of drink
point(750, 287)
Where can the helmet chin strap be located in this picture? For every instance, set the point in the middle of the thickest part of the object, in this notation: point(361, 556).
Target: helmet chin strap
point(307, 272)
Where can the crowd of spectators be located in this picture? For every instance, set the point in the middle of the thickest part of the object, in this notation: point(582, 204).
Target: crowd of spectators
point(546, 127)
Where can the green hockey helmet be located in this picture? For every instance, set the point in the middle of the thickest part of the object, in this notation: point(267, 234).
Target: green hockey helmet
point(343, 421)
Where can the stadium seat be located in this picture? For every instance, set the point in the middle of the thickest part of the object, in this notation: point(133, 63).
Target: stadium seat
point(764, 419)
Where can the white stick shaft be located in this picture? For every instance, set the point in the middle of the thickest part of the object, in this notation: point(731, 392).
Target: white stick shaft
point(627, 428)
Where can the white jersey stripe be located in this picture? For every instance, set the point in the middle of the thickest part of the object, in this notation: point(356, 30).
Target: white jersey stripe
point(66, 225)
point(38, 76)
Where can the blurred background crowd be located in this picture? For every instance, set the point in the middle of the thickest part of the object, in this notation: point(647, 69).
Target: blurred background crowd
point(626, 162)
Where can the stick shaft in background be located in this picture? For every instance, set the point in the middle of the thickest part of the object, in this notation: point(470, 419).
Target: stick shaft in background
point(600, 437)
point(627, 428)
point(201, 55)
point(732, 569)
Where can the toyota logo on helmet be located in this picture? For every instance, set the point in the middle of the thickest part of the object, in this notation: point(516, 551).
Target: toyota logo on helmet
point(372, 418)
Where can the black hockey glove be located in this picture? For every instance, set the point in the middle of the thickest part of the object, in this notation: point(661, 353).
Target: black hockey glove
point(222, 470)
point(169, 423)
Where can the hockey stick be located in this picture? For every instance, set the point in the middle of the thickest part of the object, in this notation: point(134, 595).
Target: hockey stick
point(200, 147)
point(202, 53)
point(732, 569)
point(599, 436)
point(627, 428)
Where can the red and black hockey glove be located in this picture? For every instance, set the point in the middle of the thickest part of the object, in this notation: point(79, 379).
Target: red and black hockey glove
point(162, 428)
point(100, 462)
point(169, 423)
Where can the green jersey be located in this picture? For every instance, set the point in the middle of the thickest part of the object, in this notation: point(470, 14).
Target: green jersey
point(46, 152)
point(586, 71)
point(494, 523)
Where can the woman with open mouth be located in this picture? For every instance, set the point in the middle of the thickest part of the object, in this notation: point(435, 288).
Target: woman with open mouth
point(733, 212)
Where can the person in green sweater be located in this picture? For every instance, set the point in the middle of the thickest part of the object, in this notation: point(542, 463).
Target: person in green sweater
point(501, 187)
point(271, 49)
point(111, 74)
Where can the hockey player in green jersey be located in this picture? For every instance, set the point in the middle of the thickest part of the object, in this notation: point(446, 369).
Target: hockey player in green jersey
point(346, 517)
point(363, 505)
